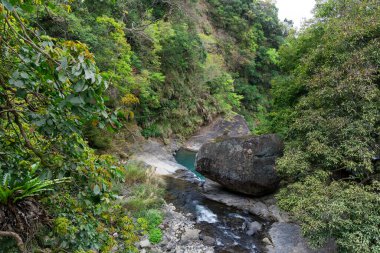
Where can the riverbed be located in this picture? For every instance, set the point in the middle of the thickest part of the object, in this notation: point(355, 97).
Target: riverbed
point(227, 228)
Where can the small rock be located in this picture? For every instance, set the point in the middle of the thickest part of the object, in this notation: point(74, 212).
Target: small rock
point(145, 244)
point(267, 241)
point(253, 227)
point(115, 235)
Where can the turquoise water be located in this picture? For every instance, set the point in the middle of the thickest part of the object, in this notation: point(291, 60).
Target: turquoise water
point(187, 159)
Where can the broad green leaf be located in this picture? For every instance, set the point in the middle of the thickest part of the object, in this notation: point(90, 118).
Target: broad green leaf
point(19, 84)
point(24, 75)
point(88, 74)
point(96, 189)
point(7, 5)
point(62, 77)
point(76, 100)
point(80, 86)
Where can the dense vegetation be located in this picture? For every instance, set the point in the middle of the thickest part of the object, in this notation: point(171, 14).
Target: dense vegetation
point(80, 77)
point(74, 73)
point(326, 104)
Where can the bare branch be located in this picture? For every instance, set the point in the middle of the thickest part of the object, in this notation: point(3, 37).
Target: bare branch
point(20, 243)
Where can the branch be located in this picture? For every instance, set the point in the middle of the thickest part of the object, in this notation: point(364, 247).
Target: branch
point(29, 42)
point(17, 121)
point(20, 243)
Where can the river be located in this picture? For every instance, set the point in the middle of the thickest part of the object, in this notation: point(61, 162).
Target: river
point(229, 227)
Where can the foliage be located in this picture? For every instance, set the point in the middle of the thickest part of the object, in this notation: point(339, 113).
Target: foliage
point(73, 72)
point(326, 105)
point(13, 190)
point(257, 33)
point(344, 211)
point(50, 88)
point(155, 235)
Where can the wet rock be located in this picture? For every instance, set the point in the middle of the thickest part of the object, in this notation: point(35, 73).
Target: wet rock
point(253, 228)
point(264, 207)
point(228, 127)
point(242, 164)
point(208, 240)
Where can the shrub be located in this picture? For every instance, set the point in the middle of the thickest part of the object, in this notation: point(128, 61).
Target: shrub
point(154, 218)
point(155, 235)
point(135, 174)
point(347, 212)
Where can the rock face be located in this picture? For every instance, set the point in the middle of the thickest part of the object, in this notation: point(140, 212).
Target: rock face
point(228, 127)
point(242, 164)
point(286, 238)
point(264, 207)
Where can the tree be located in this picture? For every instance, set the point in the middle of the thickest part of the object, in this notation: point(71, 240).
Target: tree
point(328, 108)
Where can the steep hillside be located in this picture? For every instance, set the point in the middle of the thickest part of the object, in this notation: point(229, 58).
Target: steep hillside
point(77, 75)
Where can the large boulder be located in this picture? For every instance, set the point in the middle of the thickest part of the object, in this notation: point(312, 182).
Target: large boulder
point(242, 164)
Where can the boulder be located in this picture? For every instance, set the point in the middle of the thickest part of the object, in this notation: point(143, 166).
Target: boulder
point(242, 164)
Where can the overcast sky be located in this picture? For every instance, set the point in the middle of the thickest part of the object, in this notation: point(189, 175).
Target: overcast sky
point(295, 10)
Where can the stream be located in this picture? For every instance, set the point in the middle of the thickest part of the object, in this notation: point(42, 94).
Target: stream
point(228, 226)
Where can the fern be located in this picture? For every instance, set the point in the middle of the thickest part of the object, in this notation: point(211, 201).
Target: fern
point(12, 191)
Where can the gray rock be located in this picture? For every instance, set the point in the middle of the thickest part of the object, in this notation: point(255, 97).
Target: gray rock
point(145, 244)
point(170, 246)
point(286, 238)
point(267, 241)
point(190, 235)
point(228, 127)
point(255, 206)
point(242, 164)
point(208, 240)
point(157, 156)
point(253, 228)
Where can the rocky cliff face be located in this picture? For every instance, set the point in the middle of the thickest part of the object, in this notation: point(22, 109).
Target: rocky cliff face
point(242, 164)
point(220, 128)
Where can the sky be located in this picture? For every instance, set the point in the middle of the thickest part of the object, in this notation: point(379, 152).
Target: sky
point(295, 10)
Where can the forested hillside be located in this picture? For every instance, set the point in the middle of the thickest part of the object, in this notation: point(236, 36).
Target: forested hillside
point(79, 79)
point(75, 73)
point(326, 104)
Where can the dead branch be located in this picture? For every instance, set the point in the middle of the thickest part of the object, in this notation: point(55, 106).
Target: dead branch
point(16, 237)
